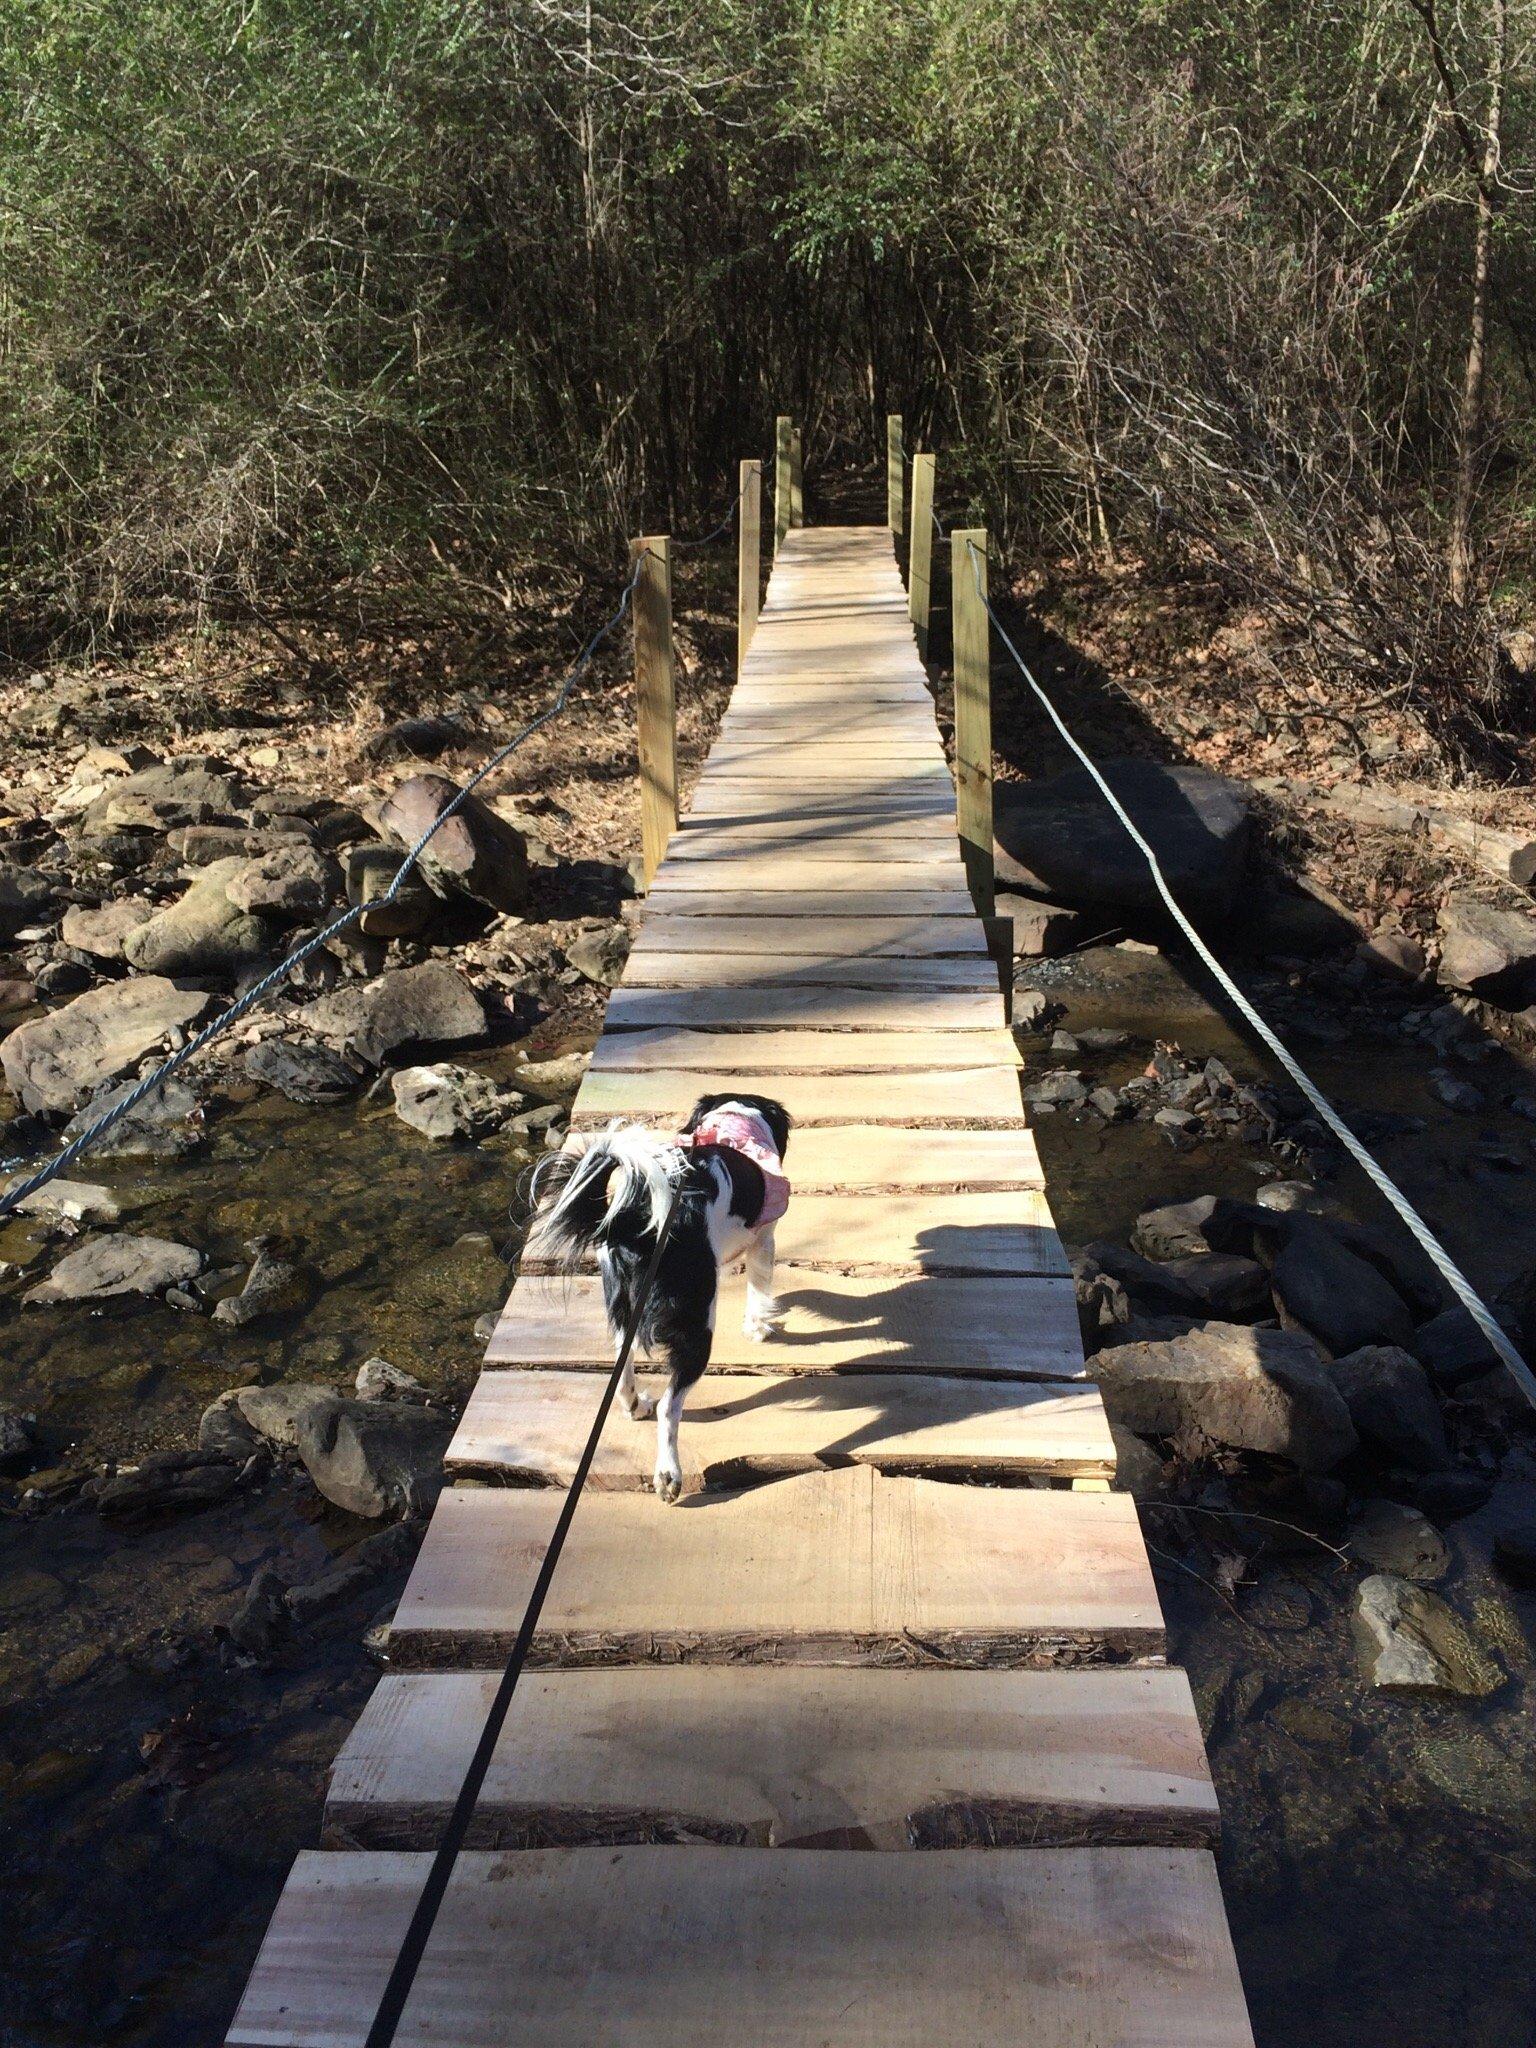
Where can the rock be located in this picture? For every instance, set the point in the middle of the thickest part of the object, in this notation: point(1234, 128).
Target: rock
point(276, 1413)
point(1489, 953)
point(292, 882)
point(77, 1201)
point(1255, 1390)
point(1390, 1537)
point(425, 738)
point(189, 791)
point(116, 1265)
point(1220, 1284)
point(1320, 1285)
point(25, 898)
point(1451, 1348)
point(1138, 1468)
point(1180, 1124)
point(202, 933)
point(331, 1590)
point(167, 1123)
point(1410, 1641)
point(1152, 1285)
point(16, 995)
point(1392, 1407)
point(261, 1621)
point(1064, 1090)
point(168, 1483)
point(1448, 1087)
point(1041, 931)
point(601, 955)
point(1295, 1198)
point(101, 932)
point(1059, 840)
point(273, 1287)
point(375, 1458)
point(1514, 1552)
point(451, 1102)
point(1063, 1041)
point(428, 1005)
point(1210, 1223)
point(1448, 1495)
point(18, 1439)
point(561, 1076)
point(1392, 953)
point(476, 853)
point(371, 872)
point(225, 1431)
point(200, 845)
point(378, 1380)
point(66, 974)
point(52, 1063)
point(1032, 1009)
point(302, 1070)
point(1109, 1104)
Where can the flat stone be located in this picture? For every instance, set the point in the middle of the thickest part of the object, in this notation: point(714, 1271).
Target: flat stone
point(52, 1063)
point(428, 1005)
point(1221, 1284)
point(600, 955)
point(116, 1265)
point(1391, 1537)
point(378, 1380)
point(1256, 1390)
point(1450, 1088)
point(78, 1201)
point(101, 932)
point(25, 897)
point(291, 883)
point(1209, 1223)
point(375, 1458)
point(554, 1077)
point(190, 791)
point(1489, 953)
point(166, 1124)
point(451, 1102)
point(203, 933)
point(302, 1070)
point(1041, 931)
point(1409, 1641)
point(276, 1413)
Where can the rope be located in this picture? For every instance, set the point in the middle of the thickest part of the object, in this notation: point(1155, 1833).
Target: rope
point(1418, 1229)
point(715, 531)
point(11, 1201)
point(402, 1975)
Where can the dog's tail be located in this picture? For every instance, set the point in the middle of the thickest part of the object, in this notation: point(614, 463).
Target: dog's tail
point(619, 1188)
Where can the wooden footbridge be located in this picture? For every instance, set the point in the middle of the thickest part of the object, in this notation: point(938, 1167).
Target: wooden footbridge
point(871, 1739)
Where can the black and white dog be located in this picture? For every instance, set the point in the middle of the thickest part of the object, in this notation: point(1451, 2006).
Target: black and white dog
point(726, 1170)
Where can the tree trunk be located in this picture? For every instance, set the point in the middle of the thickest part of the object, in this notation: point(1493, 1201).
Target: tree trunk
point(1469, 433)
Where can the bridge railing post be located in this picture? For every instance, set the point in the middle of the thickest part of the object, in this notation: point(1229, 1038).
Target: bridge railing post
point(783, 437)
point(895, 478)
point(796, 478)
point(749, 557)
point(973, 709)
point(920, 550)
point(655, 698)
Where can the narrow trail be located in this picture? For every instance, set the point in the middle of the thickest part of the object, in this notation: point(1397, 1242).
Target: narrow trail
point(849, 1753)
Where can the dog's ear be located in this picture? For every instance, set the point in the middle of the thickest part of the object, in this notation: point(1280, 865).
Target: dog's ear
point(700, 1110)
point(778, 1120)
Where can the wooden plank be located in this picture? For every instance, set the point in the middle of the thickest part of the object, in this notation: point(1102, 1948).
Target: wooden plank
point(530, 1429)
point(833, 1323)
point(803, 824)
point(908, 938)
point(973, 707)
point(811, 1009)
point(890, 798)
point(713, 901)
point(782, 1758)
point(655, 697)
point(997, 1233)
point(837, 1158)
point(800, 1051)
point(768, 841)
point(964, 1098)
point(749, 556)
point(1057, 1948)
point(839, 1567)
point(770, 874)
point(807, 970)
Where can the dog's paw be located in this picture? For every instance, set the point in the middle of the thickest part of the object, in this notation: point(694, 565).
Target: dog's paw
point(668, 1486)
point(644, 1409)
point(762, 1328)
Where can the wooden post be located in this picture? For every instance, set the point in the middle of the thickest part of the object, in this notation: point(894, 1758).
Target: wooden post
point(920, 550)
point(796, 479)
point(894, 477)
point(749, 557)
point(973, 709)
point(655, 698)
point(783, 435)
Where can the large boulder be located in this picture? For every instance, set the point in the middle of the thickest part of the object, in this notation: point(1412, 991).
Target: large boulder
point(167, 1123)
point(1322, 1286)
point(302, 1071)
point(25, 896)
point(292, 882)
point(203, 932)
point(475, 854)
point(1490, 953)
point(428, 1005)
point(54, 1062)
point(117, 1265)
point(1392, 1406)
point(374, 1458)
point(1255, 1390)
point(1209, 1223)
point(1058, 839)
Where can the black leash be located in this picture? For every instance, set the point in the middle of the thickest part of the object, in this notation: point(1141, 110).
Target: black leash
point(402, 1976)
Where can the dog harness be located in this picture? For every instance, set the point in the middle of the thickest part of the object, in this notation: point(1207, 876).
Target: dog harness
point(744, 1131)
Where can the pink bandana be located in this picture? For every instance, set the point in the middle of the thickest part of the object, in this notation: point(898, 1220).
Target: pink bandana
point(744, 1131)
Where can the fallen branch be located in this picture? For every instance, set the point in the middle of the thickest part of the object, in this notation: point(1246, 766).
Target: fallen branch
point(1508, 856)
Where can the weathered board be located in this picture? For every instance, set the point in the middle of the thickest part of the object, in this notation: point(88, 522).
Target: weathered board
point(808, 970)
point(962, 1097)
point(800, 1051)
point(713, 900)
point(529, 1429)
point(833, 1322)
point(842, 1567)
point(1053, 1948)
point(905, 938)
point(771, 874)
point(782, 1757)
point(966, 1015)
